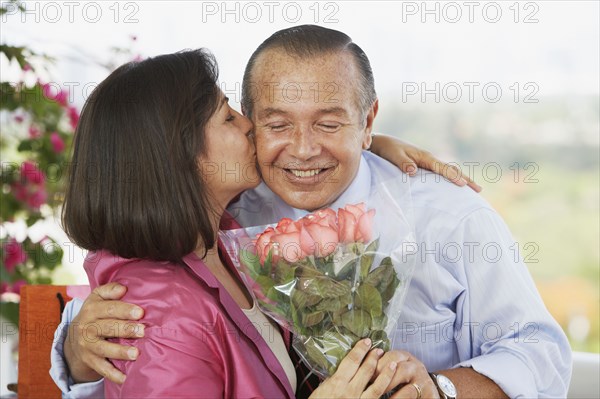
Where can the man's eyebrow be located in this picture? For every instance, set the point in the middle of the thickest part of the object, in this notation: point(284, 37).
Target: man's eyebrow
point(333, 110)
point(267, 112)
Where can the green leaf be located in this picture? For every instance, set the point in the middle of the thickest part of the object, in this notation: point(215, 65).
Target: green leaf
point(380, 339)
point(311, 319)
point(366, 260)
point(381, 274)
point(357, 321)
point(390, 285)
point(347, 271)
point(329, 304)
point(315, 354)
point(283, 273)
point(368, 299)
point(308, 272)
point(251, 261)
point(10, 312)
point(265, 283)
point(379, 323)
point(302, 299)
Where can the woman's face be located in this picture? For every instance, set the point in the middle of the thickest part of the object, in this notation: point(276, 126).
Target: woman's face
point(229, 166)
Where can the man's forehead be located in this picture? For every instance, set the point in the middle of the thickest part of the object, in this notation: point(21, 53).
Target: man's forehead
point(281, 81)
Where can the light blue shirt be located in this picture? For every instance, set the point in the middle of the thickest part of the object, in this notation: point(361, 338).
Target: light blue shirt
point(471, 301)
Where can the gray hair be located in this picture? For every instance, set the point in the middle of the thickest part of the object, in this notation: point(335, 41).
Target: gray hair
point(312, 40)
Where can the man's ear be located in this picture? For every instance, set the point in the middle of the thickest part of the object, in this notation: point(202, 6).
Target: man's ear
point(367, 138)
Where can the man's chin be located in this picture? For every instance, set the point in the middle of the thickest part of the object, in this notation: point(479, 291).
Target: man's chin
point(309, 201)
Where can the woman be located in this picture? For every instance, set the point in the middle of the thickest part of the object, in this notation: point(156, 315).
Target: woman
point(139, 200)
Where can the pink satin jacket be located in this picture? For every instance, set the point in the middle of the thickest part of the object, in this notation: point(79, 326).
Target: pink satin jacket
point(198, 343)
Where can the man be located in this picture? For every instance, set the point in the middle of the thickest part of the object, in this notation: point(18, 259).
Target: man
point(475, 317)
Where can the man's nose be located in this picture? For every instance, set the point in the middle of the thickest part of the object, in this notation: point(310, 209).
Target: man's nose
point(304, 144)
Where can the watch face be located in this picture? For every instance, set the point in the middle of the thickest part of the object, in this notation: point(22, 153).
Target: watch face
point(446, 386)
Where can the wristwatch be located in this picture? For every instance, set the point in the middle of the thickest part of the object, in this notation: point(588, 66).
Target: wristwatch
point(445, 387)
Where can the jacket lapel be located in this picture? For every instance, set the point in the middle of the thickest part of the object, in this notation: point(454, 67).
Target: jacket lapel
point(238, 317)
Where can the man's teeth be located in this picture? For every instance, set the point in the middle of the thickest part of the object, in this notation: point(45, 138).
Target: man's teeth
point(305, 173)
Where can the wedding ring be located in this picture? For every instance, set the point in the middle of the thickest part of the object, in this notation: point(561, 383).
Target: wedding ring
point(418, 388)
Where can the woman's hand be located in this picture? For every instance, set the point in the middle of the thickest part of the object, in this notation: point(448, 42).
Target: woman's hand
point(102, 316)
point(411, 376)
point(354, 374)
point(408, 157)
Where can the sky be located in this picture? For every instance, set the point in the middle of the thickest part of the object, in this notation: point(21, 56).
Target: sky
point(551, 45)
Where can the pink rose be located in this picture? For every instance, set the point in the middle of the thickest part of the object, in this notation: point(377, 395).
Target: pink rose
point(307, 243)
point(289, 246)
point(327, 217)
point(324, 237)
point(287, 225)
point(263, 244)
point(347, 225)
point(58, 145)
point(13, 255)
point(355, 224)
point(364, 233)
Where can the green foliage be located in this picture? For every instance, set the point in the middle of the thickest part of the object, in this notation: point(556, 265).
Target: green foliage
point(35, 144)
point(328, 311)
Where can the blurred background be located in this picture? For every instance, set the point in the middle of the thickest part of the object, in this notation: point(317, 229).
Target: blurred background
point(508, 90)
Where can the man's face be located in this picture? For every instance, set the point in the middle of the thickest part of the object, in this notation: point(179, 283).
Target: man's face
point(309, 128)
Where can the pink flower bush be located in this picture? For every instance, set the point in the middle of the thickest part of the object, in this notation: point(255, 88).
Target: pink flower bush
point(31, 187)
point(58, 145)
point(34, 132)
point(61, 97)
point(31, 173)
point(13, 255)
point(14, 288)
point(73, 115)
point(316, 234)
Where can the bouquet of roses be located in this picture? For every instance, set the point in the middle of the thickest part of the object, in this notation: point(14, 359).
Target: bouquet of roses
point(324, 278)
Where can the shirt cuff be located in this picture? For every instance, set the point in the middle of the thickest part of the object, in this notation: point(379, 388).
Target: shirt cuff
point(59, 370)
point(507, 371)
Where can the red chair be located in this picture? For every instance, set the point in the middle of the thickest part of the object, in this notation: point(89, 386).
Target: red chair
point(40, 312)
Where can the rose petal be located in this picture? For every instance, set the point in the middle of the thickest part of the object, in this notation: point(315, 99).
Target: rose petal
point(347, 226)
point(365, 227)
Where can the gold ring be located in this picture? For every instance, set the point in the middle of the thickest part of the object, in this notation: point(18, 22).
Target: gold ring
point(419, 391)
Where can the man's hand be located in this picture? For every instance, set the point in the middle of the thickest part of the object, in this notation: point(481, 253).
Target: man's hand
point(102, 316)
point(408, 157)
point(409, 371)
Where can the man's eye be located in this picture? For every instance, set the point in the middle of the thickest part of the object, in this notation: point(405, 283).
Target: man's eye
point(277, 128)
point(329, 127)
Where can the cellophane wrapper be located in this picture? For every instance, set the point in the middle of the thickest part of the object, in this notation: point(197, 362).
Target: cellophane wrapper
point(331, 302)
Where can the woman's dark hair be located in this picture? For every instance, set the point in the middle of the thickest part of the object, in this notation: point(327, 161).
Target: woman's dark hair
point(134, 186)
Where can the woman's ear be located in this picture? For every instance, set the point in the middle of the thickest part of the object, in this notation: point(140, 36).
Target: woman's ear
point(370, 118)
